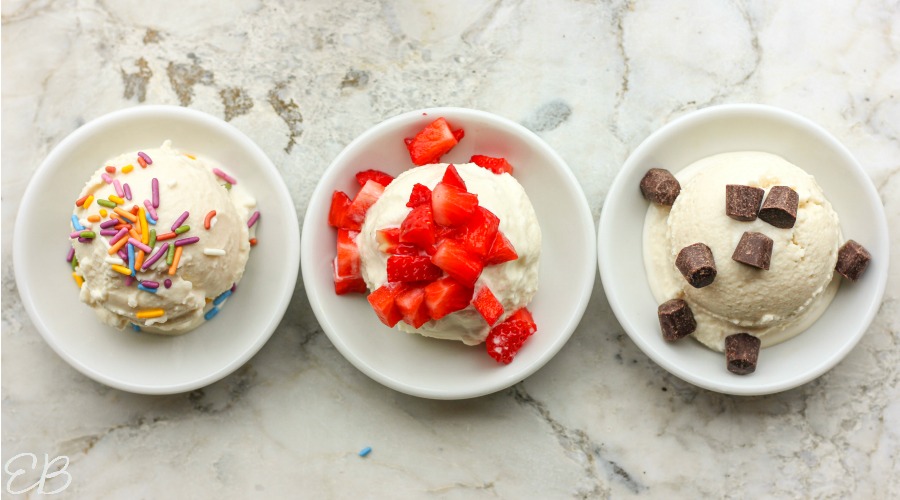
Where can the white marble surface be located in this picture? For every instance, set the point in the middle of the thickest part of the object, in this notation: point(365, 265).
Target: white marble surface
point(592, 79)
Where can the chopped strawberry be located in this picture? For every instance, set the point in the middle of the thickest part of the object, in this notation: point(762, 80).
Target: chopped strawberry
point(374, 175)
point(411, 304)
point(458, 134)
point(505, 339)
point(452, 177)
point(405, 268)
point(432, 142)
point(501, 251)
point(487, 305)
point(383, 301)
point(445, 296)
point(346, 266)
point(451, 205)
point(388, 239)
point(479, 233)
point(461, 265)
point(340, 202)
point(365, 198)
point(418, 227)
point(420, 195)
point(524, 315)
point(495, 165)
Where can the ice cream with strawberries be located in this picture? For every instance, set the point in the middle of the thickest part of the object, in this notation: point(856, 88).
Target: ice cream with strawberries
point(159, 240)
point(446, 251)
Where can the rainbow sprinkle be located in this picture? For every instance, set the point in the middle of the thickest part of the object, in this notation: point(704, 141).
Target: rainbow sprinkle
point(225, 177)
point(253, 219)
point(150, 313)
point(207, 221)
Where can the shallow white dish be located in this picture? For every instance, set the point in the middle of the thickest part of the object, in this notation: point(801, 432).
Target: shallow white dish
point(446, 369)
point(140, 362)
point(744, 127)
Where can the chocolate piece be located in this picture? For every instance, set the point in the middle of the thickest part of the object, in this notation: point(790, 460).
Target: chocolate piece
point(697, 265)
point(675, 319)
point(741, 352)
point(852, 260)
point(754, 249)
point(660, 186)
point(780, 207)
point(742, 202)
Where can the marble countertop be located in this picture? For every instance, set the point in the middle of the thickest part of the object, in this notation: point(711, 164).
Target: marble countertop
point(593, 79)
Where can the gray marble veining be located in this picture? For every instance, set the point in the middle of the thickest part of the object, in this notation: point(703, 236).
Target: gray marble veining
point(593, 79)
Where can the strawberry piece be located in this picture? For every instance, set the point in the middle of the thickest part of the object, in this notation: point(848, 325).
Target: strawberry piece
point(373, 175)
point(456, 261)
point(487, 305)
point(346, 265)
point(452, 177)
point(451, 205)
point(340, 202)
point(418, 227)
point(388, 239)
point(505, 339)
point(432, 142)
point(501, 251)
point(420, 195)
point(411, 304)
point(479, 233)
point(495, 165)
point(383, 302)
point(524, 315)
point(405, 268)
point(365, 198)
point(458, 134)
point(445, 296)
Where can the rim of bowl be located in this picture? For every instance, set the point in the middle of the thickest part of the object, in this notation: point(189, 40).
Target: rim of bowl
point(70, 142)
point(584, 219)
point(617, 192)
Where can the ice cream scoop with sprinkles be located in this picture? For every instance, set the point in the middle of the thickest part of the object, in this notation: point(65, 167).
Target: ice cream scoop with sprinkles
point(159, 238)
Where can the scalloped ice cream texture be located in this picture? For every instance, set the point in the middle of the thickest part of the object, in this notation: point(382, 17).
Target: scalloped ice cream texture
point(514, 283)
point(185, 184)
point(773, 305)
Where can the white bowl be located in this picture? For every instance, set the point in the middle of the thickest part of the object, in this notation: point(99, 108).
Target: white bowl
point(744, 127)
point(146, 363)
point(442, 369)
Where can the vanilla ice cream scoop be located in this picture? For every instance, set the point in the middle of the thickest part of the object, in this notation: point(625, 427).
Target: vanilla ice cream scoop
point(772, 304)
point(187, 246)
point(514, 283)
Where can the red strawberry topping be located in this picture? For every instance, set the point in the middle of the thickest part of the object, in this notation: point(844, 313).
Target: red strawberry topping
point(501, 251)
point(373, 175)
point(346, 265)
point(418, 227)
point(445, 296)
point(406, 268)
point(365, 198)
point(411, 303)
point(487, 305)
point(383, 301)
point(420, 195)
point(452, 206)
point(432, 142)
point(505, 339)
point(479, 233)
point(340, 202)
point(452, 177)
point(461, 265)
point(495, 165)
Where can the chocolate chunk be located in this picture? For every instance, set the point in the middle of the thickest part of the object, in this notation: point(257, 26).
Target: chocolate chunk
point(741, 352)
point(697, 265)
point(754, 249)
point(852, 261)
point(660, 186)
point(675, 319)
point(742, 202)
point(780, 207)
